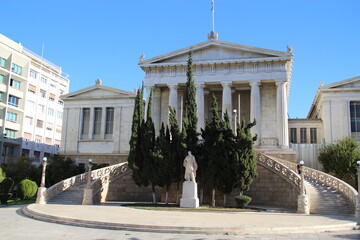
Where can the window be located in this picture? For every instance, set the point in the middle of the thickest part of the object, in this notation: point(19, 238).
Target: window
point(2, 62)
point(313, 135)
point(59, 115)
point(42, 93)
point(48, 141)
point(58, 129)
point(85, 121)
point(33, 74)
point(49, 126)
point(303, 135)
point(28, 121)
point(1, 96)
point(51, 112)
point(30, 104)
point(57, 143)
point(9, 133)
point(109, 120)
point(52, 85)
point(32, 89)
point(60, 102)
point(27, 136)
point(43, 79)
point(15, 84)
point(2, 78)
point(12, 117)
point(38, 139)
point(16, 69)
point(39, 123)
point(13, 101)
point(293, 137)
point(41, 108)
point(36, 156)
point(97, 121)
point(355, 117)
point(52, 97)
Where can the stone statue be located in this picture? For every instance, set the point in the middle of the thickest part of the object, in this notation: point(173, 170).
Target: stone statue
point(98, 81)
point(141, 58)
point(190, 167)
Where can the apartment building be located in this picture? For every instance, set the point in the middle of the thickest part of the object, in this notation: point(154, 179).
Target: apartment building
point(31, 109)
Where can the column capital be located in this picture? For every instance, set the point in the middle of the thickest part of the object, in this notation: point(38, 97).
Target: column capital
point(279, 83)
point(226, 84)
point(173, 86)
point(200, 85)
point(254, 84)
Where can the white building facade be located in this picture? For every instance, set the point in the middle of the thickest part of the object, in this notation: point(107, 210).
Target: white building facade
point(31, 107)
point(97, 124)
point(253, 81)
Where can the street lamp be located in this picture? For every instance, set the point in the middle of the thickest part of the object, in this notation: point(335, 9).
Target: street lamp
point(88, 183)
point(88, 192)
point(301, 163)
point(41, 198)
point(235, 121)
point(303, 203)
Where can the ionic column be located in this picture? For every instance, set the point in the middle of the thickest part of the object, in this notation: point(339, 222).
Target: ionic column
point(255, 110)
point(226, 100)
point(103, 122)
point(200, 106)
point(156, 114)
point(173, 97)
point(91, 127)
point(148, 91)
point(281, 114)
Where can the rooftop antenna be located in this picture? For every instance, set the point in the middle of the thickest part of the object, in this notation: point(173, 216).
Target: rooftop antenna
point(213, 35)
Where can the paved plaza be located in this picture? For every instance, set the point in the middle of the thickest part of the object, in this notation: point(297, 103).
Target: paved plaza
point(15, 225)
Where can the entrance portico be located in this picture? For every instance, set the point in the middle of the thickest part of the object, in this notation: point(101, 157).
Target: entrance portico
point(251, 80)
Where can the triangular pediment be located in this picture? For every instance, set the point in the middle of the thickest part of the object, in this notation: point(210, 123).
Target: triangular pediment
point(100, 92)
point(218, 51)
point(345, 84)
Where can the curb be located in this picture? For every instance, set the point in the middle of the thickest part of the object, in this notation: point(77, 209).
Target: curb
point(188, 230)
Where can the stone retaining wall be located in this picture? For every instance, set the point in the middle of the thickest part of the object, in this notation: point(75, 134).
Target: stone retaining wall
point(268, 189)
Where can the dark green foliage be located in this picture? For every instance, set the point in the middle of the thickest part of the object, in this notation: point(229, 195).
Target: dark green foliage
point(245, 163)
point(163, 154)
point(5, 189)
point(340, 159)
point(6, 185)
point(98, 166)
point(242, 201)
point(177, 150)
point(27, 189)
point(135, 159)
point(60, 168)
point(2, 175)
point(21, 168)
point(190, 119)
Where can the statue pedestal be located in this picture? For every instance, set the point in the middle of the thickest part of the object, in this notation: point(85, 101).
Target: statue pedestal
point(41, 199)
point(189, 197)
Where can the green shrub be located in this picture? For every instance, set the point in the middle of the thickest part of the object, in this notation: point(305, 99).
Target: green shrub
point(242, 201)
point(5, 188)
point(6, 185)
point(2, 175)
point(27, 189)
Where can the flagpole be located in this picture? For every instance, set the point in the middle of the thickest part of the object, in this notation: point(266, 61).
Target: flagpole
point(213, 15)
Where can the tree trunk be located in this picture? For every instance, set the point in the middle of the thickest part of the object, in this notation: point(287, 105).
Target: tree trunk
point(177, 193)
point(224, 200)
point(213, 197)
point(153, 194)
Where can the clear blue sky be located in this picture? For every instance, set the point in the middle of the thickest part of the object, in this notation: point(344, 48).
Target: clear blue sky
point(103, 39)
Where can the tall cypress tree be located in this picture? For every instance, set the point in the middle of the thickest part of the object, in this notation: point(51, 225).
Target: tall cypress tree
point(177, 150)
point(135, 158)
point(190, 119)
point(246, 165)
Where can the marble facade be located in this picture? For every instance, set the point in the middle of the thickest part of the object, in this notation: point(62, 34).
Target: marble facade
point(253, 81)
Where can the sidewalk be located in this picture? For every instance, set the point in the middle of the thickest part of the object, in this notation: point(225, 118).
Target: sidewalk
point(124, 218)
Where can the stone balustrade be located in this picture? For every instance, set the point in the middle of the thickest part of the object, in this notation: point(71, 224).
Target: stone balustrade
point(280, 169)
point(109, 172)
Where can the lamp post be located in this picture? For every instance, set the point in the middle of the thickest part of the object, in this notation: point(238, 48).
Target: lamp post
point(41, 199)
point(88, 192)
point(303, 203)
point(357, 206)
point(235, 121)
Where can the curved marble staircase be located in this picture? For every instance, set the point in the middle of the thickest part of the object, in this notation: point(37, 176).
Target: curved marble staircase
point(324, 199)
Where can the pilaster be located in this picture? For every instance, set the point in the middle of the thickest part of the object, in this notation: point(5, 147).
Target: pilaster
point(226, 99)
point(255, 110)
